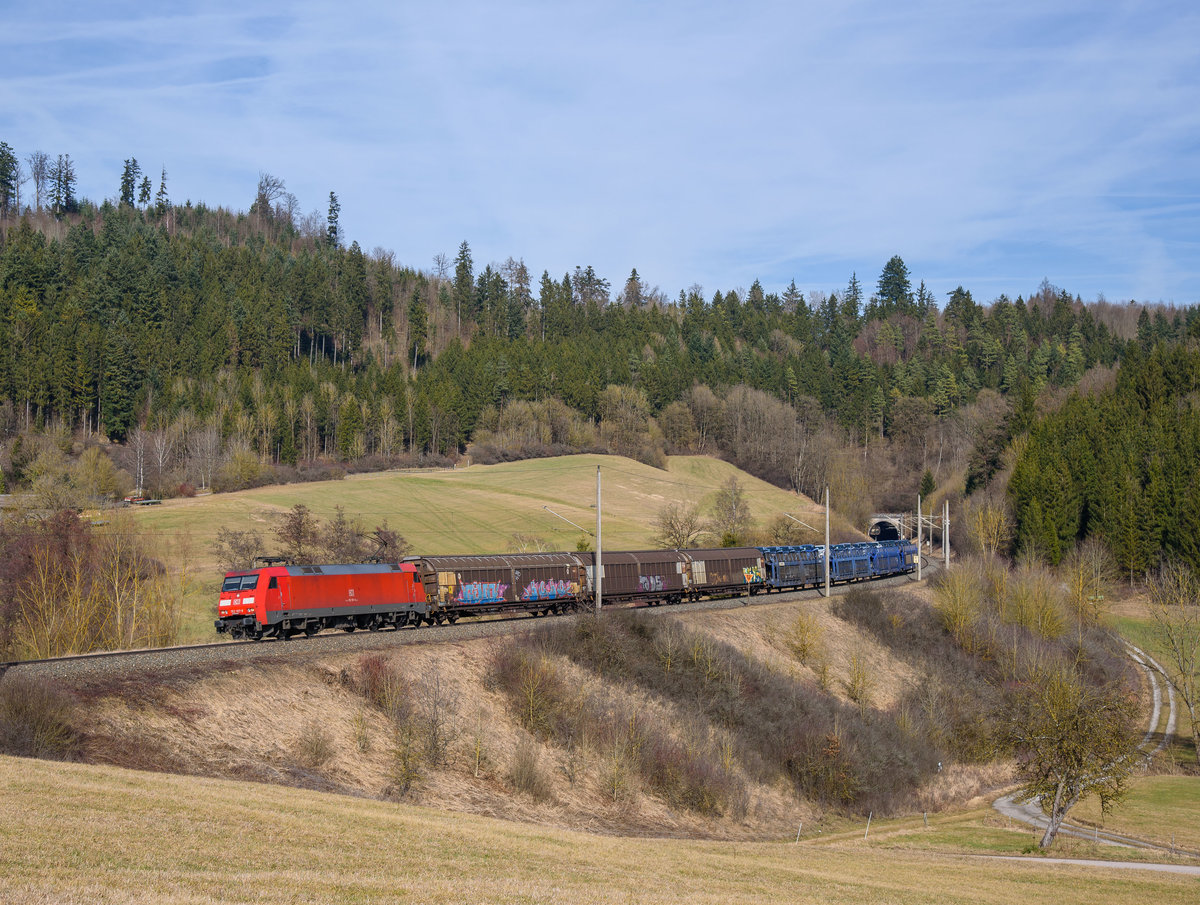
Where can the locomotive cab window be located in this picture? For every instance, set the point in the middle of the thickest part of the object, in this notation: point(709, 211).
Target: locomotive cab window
point(249, 582)
point(274, 583)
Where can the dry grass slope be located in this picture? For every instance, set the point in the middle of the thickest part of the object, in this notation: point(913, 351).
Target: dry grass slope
point(108, 836)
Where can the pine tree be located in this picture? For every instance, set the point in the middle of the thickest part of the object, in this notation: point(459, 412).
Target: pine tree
point(464, 283)
point(161, 201)
point(129, 181)
point(118, 388)
point(62, 186)
point(418, 327)
point(331, 229)
point(894, 290)
point(8, 180)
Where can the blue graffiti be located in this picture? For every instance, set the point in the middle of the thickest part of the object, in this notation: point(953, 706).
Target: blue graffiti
point(481, 592)
point(546, 590)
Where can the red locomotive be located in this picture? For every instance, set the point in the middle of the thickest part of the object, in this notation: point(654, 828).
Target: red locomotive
point(281, 601)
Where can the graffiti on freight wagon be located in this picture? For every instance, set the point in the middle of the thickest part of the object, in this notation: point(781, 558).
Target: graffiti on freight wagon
point(481, 592)
point(547, 590)
point(650, 582)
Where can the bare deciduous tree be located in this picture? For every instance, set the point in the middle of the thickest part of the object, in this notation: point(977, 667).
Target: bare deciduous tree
point(237, 549)
point(297, 532)
point(731, 519)
point(677, 526)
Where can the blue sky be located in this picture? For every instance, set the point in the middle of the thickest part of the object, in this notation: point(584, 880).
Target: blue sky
point(990, 145)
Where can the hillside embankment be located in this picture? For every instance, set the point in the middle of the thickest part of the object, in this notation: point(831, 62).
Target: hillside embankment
point(533, 727)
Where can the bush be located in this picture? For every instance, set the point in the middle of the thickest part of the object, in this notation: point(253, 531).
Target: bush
point(525, 772)
point(36, 720)
point(314, 746)
point(804, 638)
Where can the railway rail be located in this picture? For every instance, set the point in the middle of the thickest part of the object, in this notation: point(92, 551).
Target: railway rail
point(97, 666)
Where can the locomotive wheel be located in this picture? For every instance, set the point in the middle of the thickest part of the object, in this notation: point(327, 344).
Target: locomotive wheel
point(311, 629)
point(348, 628)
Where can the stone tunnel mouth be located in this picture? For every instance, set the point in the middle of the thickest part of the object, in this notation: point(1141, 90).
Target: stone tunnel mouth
point(884, 530)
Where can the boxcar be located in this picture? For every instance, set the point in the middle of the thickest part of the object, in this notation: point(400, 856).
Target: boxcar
point(477, 585)
point(651, 576)
point(726, 570)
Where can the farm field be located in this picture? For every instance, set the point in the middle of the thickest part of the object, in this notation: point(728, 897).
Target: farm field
point(480, 509)
point(105, 835)
point(1160, 809)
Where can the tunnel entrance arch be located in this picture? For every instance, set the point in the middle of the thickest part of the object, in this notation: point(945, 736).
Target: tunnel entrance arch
point(885, 526)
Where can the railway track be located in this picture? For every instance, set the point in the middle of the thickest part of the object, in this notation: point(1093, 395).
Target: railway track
point(85, 669)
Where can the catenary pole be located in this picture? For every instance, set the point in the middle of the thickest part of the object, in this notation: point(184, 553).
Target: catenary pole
point(918, 537)
point(946, 533)
point(599, 567)
point(827, 541)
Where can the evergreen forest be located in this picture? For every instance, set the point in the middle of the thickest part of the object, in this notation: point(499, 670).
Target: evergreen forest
point(178, 347)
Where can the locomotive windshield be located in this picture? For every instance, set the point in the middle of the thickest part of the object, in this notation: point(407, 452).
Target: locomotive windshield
point(240, 583)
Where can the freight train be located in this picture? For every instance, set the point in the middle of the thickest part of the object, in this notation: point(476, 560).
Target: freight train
point(282, 601)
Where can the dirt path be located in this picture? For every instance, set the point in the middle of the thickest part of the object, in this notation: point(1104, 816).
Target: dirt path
point(1030, 812)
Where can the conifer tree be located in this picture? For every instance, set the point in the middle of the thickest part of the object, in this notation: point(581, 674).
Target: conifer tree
point(332, 236)
point(9, 168)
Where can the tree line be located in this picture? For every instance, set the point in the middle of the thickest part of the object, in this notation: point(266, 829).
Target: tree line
point(223, 349)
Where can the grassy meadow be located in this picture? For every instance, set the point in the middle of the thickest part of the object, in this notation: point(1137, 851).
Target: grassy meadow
point(480, 509)
point(76, 833)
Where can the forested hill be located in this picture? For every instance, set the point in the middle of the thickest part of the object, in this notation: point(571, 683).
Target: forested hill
point(1123, 464)
point(240, 341)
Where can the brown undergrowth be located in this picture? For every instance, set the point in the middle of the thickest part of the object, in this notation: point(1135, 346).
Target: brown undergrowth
point(701, 724)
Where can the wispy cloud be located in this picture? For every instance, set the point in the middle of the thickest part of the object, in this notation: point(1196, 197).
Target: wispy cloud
point(989, 145)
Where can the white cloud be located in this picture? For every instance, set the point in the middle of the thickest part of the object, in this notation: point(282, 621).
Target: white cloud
point(707, 143)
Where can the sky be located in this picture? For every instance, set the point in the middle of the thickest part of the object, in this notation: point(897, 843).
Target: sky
point(990, 145)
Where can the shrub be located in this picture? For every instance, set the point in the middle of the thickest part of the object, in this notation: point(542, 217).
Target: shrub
point(805, 638)
point(36, 720)
point(406, 769)
point(383, 686)
point(859, 682)
point(314, 746)
point(525, 772)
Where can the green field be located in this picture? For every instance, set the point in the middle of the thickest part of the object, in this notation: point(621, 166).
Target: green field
point(1160, 809)
point(74, 833)
point(480, 509)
